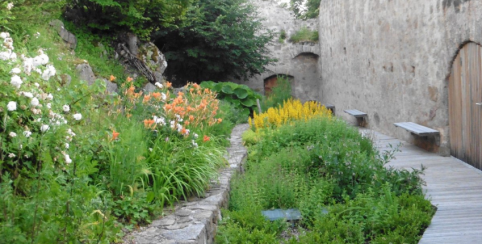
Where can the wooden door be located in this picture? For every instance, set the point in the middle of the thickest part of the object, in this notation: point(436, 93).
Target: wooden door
point(465, 105)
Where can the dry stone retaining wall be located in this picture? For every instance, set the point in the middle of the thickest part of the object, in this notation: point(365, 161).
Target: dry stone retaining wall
point(195, 221)
point(391, 58)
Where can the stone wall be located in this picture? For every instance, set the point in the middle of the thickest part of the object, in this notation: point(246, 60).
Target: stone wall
point(391, 58)
point(298, 60)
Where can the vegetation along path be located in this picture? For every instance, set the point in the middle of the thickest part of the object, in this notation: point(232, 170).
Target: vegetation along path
point(452, 186)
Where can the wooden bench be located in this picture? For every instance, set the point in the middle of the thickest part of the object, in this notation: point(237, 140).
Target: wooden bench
point(424, 137)
point(417, 129)
point(361, 117)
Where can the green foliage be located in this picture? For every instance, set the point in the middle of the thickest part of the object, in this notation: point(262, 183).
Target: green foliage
point(337, 180)
point(218, 39)
point(304, 35)
point(250, 138)
point(138, 17)
point(248, 226)
point(282, 36)
point(241, 96)
point(308, 9)
point(279, 94)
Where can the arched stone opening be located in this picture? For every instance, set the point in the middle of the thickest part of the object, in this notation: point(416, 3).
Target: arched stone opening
point(272, 81)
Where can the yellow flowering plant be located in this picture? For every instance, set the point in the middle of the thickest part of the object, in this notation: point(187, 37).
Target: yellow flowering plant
point(290, 110)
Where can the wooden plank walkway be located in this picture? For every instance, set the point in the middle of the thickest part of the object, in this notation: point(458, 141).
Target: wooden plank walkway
point(453, 186)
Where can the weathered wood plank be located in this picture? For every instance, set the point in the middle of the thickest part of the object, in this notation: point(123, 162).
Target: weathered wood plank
point(355, 113)
point(416, 128)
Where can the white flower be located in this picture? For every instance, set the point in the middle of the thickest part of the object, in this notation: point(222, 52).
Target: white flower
point(36, 111)
point(48, 72)
point(67, 159)
point(49, 105)
point(27, 133)
point(34, 102)
point(12, 134)
point(37, 34)
point(9, 6)
point(13, 56)
point(159, 85)
point(44, 128)
point(16, 81)
point(173, 124)
point(36, 85)
point(194, 143)
point(150, 149)
point(12, 106)
point(195, 135)
point(4, 35)
point(41, 59)
point(50, 96)
point(77, 116)
point(15, 71)
point(179, 127)
point(70, 132)
point(66, 108)
point(27, 94)
point(67, 145)
point(11, 155)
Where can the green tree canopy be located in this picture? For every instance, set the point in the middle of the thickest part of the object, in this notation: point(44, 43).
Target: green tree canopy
point(140, 17)
point(217, 40)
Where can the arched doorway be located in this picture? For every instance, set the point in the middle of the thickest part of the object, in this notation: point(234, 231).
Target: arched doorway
point(271, 82)
point(465, 105)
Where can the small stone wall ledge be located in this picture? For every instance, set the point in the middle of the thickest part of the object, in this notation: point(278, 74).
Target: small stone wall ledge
point(195, 221)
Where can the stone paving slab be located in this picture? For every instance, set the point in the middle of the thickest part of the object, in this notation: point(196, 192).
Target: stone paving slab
point(195, 221)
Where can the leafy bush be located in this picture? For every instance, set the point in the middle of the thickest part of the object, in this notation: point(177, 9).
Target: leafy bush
point(241, 96)
point(282, 36)
point(304, 35)
point(114, 16)
point(305, 9)
point(218, 39)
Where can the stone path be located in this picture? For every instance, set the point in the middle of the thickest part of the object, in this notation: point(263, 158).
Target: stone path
point(195, 221)
point(452, 185)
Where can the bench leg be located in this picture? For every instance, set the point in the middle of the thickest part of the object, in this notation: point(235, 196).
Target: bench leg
point(361, 121)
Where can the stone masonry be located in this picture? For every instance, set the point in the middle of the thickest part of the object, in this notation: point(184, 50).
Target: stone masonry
point(299, 60)
point(195, 221)
point(391, 58)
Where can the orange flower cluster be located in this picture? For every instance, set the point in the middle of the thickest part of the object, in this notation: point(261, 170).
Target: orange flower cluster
point(191, 109)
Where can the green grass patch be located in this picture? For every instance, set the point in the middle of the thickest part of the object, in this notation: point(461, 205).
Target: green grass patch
point(304, 35)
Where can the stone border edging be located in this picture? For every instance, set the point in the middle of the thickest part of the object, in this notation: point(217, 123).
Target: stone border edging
point(195, 221)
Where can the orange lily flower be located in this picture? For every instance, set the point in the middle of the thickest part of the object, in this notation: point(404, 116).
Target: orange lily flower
point(148, 123)
point(206, 138)
point(220, 120)
point(168, 84)
point(114, 135)
point(146, 98)
point(156, 95)
point(191, 118)
point(112, 78)
point(129, 79)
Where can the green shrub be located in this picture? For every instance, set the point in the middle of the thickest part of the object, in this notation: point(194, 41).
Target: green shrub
point(282, 36)
point(241, 96)
point(114, 16)
point(279, 94)
point(304, 35)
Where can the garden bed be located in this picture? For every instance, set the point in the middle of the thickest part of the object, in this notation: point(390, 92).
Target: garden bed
point(333, 175)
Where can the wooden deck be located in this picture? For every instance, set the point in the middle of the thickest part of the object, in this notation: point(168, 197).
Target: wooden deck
point(452, 185)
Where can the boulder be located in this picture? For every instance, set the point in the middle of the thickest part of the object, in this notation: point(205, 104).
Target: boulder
point(66, 35)
point(85, 73)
